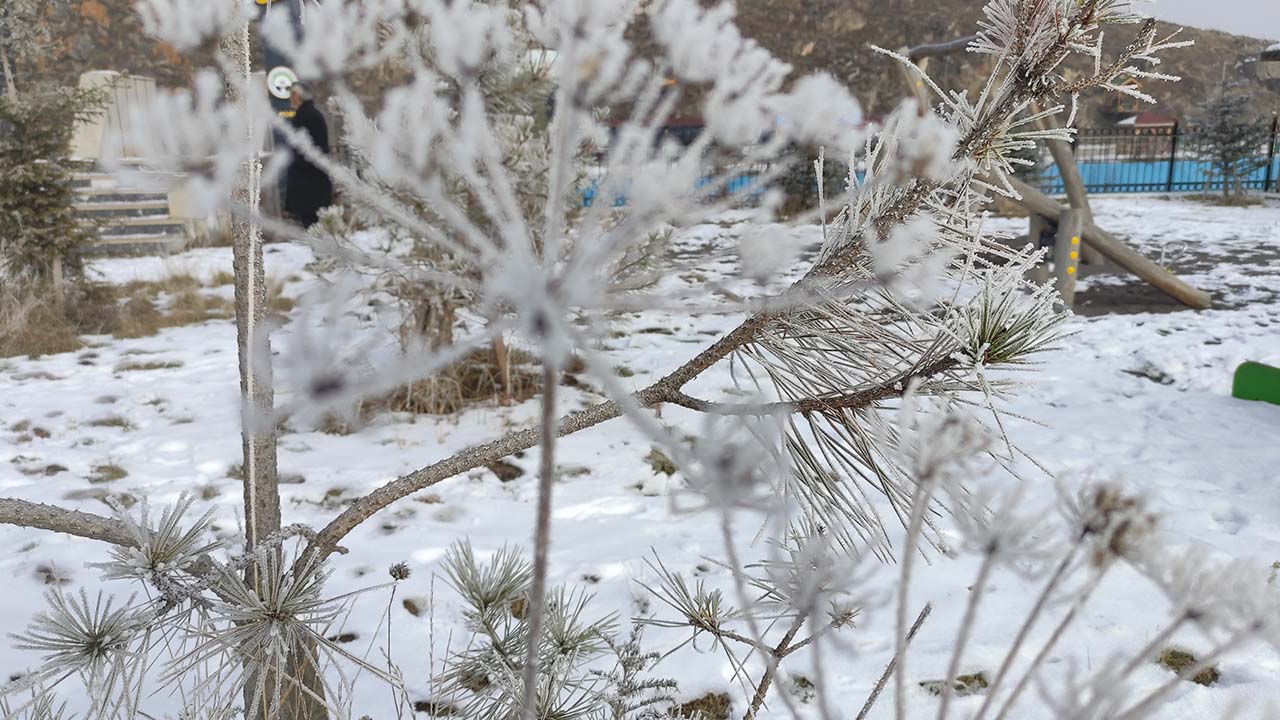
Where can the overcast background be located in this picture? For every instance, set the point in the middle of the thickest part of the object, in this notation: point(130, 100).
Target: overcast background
point(1255, 18)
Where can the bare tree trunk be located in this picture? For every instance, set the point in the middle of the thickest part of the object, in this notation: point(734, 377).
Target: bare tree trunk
point(59, 283)
point(502, 361)
point(257, 432)
point(261, 493)
point(10, 86)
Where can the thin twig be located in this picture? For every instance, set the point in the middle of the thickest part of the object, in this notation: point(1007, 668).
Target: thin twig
point(966, 628)
point(541, 541)
point(893, 663)
point(1034, 615)
point(766, 679)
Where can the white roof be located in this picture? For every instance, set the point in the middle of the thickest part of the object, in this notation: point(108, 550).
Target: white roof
point(1273, 48)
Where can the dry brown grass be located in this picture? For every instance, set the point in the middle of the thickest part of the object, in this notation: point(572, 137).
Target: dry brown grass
point(1232, 200)
point(107, 472)
point(173, 284)
point(279, 303)
point(146, 311)
point(712, 706)
point(30, 324)
point(149, 365)
point(1180, 662)
point(38, 331)
point(476, 378)
point(218, 236)
point(114, 421)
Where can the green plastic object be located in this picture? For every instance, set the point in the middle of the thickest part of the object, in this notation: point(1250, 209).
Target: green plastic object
point(1255, 381)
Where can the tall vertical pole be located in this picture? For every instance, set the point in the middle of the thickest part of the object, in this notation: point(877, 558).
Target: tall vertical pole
point(257, 438)
point(1273, 140)
point(1173, 156)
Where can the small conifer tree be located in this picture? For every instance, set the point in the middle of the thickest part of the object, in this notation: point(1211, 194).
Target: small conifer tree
point(1231, 137)
point(38, 223)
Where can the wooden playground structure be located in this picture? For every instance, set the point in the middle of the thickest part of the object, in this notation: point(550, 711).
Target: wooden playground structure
point(1077, 236)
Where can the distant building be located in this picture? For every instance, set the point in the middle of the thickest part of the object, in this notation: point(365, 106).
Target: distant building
point(1269, 64)
point(1153, 132)
point(1125, 104)
point(1149, 119)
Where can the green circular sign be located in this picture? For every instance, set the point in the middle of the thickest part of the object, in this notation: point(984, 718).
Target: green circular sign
point(280, 80)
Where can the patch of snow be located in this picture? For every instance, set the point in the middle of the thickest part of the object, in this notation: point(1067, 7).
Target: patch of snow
point(1144, 397)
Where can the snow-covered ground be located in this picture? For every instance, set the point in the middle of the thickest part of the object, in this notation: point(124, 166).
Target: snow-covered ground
point(1144, 397)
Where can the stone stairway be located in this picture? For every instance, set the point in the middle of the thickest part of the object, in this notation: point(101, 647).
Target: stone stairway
point(130, 221)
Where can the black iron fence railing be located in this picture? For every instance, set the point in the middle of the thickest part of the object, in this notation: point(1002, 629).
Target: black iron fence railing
point(1172, 158)
point(1160, 159)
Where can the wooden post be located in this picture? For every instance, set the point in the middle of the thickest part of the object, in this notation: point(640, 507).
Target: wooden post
point(1066, 254)
point(1040, 273)
point(1126, 257)
point(1072, 181)
point(1037, 203)
point(502, 362)
point(913, 81)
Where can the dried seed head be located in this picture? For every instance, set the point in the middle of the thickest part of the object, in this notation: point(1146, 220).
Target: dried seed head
point(399, 571)
point(1114, 522)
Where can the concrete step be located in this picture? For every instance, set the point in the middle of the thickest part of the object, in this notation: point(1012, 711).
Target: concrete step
point(138, 245)
point(99, 181)
point(115, 195)
point(123, 210)
point(148, 226)
point(94, 181)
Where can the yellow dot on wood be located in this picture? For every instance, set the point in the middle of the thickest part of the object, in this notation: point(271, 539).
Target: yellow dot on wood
point(1074, 254)
point(919, 83)
point(1071, 271)
point(1075, 241)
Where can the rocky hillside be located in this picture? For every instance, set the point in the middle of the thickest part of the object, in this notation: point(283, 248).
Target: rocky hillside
point(105, 35)
point(834, 35)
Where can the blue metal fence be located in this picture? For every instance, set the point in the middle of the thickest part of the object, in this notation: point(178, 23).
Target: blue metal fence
point(1158, 159)
point(1111, 160)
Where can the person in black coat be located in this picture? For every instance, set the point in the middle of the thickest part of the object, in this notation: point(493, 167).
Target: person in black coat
point(308, 188)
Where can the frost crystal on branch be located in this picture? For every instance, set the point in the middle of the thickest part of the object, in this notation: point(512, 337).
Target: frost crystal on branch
point(164, 551)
